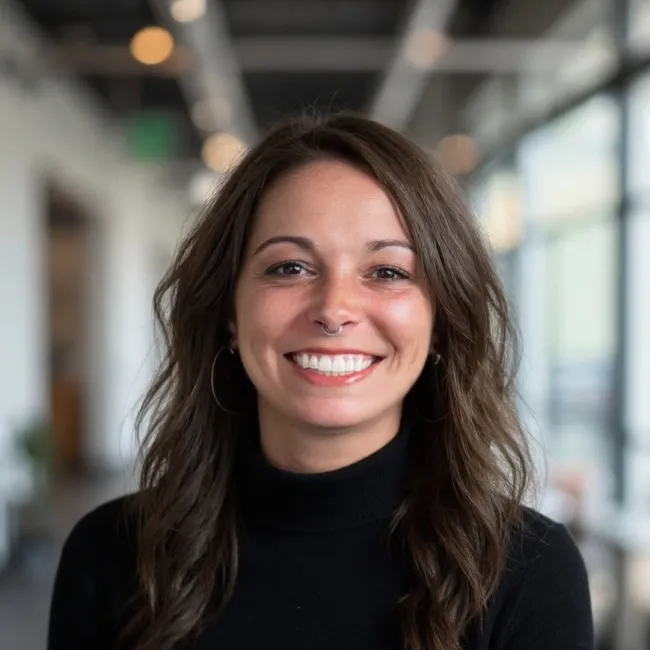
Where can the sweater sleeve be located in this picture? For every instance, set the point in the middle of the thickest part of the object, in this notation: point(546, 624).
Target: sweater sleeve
point(81, 612)
point(553, 606)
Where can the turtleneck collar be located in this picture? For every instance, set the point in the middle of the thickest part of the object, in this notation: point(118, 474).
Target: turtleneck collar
point(367, 490)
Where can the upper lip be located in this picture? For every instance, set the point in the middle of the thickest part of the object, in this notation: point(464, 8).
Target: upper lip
point(339, 351)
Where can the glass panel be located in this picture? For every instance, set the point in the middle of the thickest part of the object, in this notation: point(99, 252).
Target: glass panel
point(637, 485)
point(571, 164)
point(639, 145)
point(581, 309)
point(497, 202)
point(637, 409)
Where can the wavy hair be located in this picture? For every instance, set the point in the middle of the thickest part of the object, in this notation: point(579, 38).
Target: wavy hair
point(471, 466)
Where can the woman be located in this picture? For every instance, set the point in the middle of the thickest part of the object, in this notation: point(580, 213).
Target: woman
point(332, 457)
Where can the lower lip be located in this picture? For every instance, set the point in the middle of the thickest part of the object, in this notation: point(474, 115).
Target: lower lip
point(318, 379)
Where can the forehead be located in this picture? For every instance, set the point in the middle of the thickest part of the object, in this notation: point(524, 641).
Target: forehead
point(326, 198)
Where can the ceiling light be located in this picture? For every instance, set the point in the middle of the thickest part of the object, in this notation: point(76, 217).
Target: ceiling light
point(152, 45)
point(187, 11)
point(221, 151)
point(458, 154)
point(425, 47)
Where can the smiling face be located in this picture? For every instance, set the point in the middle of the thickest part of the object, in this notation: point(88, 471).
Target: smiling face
point(329, 249)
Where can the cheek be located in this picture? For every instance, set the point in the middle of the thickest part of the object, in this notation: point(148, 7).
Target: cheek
point(263, 315)
point(409, 318)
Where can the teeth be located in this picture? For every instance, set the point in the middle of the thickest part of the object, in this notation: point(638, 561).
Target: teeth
point(325, 364)
point(333, 365)
point(338, 364)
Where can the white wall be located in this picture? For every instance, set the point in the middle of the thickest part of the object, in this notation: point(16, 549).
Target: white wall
point(56, 130)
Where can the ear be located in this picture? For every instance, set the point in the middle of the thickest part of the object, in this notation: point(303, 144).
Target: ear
point(232, 328)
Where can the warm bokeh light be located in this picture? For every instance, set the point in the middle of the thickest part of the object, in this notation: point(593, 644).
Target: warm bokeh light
point(504, 210)
point(425, 47)
point(187, 11)
point(221, 151)
point(458, 153)
point(152, 45)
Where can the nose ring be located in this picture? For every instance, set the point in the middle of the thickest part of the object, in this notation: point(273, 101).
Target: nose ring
point(328, 333)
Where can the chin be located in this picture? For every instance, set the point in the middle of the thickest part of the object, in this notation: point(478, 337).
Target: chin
point(333, 416)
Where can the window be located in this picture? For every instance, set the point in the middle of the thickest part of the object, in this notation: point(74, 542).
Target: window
point(639, 145)
point(581, 313)
point(496, 201)
point(572, 165)
point(571, 190)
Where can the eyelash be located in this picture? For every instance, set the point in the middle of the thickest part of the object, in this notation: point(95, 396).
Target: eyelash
point(274, 271)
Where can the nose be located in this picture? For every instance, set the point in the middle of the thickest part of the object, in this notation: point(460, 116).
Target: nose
point(336, 302)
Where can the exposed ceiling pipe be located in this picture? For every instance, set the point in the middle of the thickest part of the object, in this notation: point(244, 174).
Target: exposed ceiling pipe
point(420, 47)
point(214, 77)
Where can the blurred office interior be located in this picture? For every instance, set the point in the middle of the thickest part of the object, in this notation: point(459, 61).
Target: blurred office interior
point(116, 121)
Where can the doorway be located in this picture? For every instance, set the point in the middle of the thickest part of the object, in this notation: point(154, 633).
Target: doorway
point(67, 267)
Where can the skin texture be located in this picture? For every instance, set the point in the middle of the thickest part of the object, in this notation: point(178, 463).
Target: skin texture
point(340, 274)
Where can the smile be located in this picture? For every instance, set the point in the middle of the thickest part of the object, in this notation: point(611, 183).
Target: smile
point(333, 365)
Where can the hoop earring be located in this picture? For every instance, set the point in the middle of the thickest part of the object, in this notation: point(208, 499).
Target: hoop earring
point(231, 349)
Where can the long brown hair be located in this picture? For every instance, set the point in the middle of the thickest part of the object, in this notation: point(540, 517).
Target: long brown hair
point(472, 467)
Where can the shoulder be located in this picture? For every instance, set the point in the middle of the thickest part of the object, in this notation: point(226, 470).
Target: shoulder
point(108, 530)
point(95, 578)
point(539, 544)
point(543, 600)
point(115, 517)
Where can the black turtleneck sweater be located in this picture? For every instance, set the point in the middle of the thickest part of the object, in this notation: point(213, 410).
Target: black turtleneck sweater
point(316, 572)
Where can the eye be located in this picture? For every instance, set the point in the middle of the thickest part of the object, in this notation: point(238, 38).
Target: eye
point(284, 269)
point(390, 274)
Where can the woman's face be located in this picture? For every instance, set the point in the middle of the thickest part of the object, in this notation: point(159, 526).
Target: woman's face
point(328, 248)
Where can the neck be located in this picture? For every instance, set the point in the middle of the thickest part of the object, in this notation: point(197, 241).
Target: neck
point(364, 491)
point(294, 447)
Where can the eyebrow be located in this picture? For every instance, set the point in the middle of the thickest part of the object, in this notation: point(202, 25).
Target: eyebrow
point(308, 245)
point(379, 244)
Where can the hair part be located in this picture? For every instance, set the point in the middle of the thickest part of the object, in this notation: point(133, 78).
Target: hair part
point(472, 467)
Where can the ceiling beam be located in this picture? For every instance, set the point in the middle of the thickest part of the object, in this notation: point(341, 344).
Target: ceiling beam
point(99, 60)
point(313, 53)
point(358, 53)
point(332, 54)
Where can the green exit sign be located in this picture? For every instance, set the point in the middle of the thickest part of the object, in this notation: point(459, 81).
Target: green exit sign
point(152, 136)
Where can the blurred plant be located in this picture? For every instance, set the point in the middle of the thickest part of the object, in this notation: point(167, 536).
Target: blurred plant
point(35, 440)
